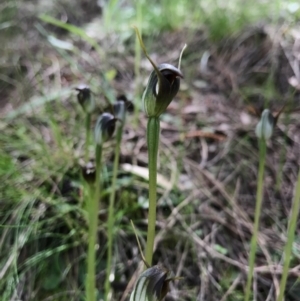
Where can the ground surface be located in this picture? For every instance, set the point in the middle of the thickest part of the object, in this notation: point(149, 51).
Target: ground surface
point(208, 152)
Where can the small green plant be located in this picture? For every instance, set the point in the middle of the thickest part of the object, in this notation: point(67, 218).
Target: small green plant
point(87, 102)
point(120, 114)
point(264, 130)
point(104, 129)
point(153, 283)
point(162, 87)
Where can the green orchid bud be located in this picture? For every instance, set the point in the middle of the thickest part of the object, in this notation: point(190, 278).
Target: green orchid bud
point(86, 98)
point(119, 108)
point(128, 104)
point(152, 285)
point(264, 128)
point(162, 87)
point(163, 84)
point(104, 128)
point(89, 172)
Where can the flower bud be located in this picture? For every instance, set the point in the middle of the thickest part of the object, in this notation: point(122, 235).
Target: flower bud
point(89, 172)
point(119, 110)
point(104, 128)
point(264, 128)
point(152, 285)
point(162, 87)
point(86, 98)
point(163, 84)
point(128, 104)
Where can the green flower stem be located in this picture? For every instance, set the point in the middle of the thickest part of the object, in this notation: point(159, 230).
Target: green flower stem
point(259, 198)
point(291, 236)
point(93, 226)
point(87, 136)
point(110, 222)
point(153, 129)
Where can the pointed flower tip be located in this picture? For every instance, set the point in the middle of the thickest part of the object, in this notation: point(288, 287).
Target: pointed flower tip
point(180, 56)
point(264, 128)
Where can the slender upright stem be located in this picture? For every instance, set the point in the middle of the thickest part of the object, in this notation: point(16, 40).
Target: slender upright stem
point(282, 156)
point(291, 236)
point(153, 129)
point(259, 198)
point(87, 136)
point(110, 222)
point(93, 226)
